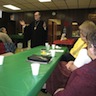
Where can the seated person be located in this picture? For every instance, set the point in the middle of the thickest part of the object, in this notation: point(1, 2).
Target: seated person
point(74, 51)
point(3, 50)
point(61, 69)
point(80, 60)
point(82, 81)
point(5, 38)
point(3, 30)
point(84, 27)
point(9, 45)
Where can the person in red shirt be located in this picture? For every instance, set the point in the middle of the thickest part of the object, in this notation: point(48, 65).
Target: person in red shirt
point(63, 70)
point(82, 81)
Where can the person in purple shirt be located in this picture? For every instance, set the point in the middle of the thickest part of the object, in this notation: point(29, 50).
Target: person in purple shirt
point(82, 81)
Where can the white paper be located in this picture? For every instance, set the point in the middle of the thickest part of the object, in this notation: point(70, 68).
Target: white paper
point(1, 60)
point(59, 50)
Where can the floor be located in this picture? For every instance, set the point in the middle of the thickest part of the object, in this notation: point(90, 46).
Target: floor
point(43, 94)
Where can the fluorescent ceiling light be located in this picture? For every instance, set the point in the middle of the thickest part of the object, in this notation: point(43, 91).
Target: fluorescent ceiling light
point(45, 0)
point(11, 7)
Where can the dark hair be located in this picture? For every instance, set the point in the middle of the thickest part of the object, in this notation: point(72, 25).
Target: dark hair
point(1, 29)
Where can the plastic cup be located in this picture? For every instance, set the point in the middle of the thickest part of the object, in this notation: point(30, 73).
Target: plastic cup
point(53, 46)
point(47, 46)
point(35, 68)
point(52, 53)
point(19, 45)
point(1, 60)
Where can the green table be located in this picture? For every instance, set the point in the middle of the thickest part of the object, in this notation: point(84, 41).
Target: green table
point(16, 78)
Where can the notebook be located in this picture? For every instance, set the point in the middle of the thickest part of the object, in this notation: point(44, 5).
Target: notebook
point(39, 58)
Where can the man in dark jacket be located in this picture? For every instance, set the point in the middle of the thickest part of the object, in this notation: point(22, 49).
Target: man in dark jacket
point(36, 31)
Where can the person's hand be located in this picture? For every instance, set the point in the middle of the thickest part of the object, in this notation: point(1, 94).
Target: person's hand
point(44, 26)
point(58, 90)
point(69, 64)
point(22, 22)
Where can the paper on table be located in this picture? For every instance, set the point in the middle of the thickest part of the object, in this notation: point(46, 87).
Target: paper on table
point(58, 47)
point(59, 50)
point(1, 60)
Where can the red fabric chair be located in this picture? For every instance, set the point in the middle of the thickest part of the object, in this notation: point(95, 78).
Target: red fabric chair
point(65, 42)
point(2, 48)
point(68, 42)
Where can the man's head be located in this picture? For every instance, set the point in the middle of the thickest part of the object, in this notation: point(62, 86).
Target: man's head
point(37, 16)
point(85, 28)
point(91, 38)
point(3, 29)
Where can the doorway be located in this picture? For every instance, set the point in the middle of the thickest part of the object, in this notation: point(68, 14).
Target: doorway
point(54, 30)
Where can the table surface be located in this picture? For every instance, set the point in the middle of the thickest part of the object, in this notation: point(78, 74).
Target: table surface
point(16, 77)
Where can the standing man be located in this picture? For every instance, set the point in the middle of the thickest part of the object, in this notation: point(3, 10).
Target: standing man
point(36, 31)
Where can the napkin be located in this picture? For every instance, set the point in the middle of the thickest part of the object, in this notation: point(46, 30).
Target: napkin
point(1, 59)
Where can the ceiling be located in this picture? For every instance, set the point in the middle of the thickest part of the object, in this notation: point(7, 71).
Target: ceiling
point(34, 5)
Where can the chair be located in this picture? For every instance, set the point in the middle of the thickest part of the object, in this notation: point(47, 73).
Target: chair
point(2, 48)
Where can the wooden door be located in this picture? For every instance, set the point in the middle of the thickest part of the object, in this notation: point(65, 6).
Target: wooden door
point(50, 31)
point(53, 30)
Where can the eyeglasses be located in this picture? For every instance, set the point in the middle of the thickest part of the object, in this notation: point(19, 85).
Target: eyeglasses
point(89, 44)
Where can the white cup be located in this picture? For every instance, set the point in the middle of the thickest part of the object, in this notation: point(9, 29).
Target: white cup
point(35, 68)
point(53, 46)
point(52, 53)
point(19, 45)
point(47, 46)
point(1, 60)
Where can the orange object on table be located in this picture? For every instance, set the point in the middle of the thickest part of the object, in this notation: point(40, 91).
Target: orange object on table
point(64, 42)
